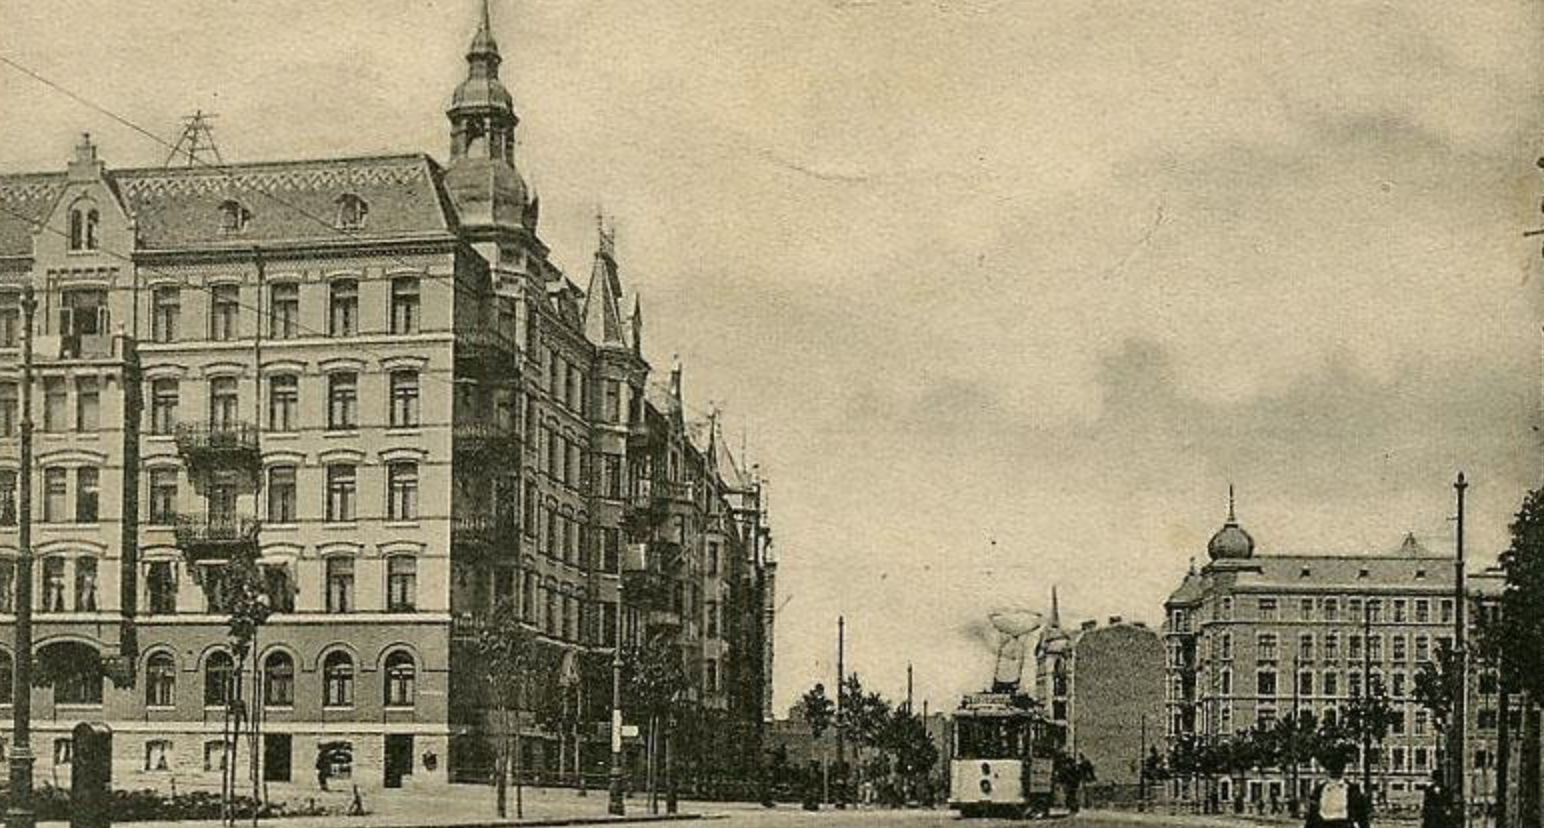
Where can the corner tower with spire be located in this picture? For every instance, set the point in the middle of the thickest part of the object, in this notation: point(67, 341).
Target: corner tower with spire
point(488, 191)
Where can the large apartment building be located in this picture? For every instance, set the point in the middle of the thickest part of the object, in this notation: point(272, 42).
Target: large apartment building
point(1252, 638)
point(367, 375)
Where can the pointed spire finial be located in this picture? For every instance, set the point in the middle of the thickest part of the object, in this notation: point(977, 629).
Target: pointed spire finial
point(1055, 608)
point(1231, 517)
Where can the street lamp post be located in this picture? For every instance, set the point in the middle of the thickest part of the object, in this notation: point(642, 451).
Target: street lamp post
point(616, 806)
point(20, 813)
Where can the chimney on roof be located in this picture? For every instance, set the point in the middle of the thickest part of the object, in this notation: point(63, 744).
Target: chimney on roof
point(84, 164)
point(1115, 619)
point(1088, 625)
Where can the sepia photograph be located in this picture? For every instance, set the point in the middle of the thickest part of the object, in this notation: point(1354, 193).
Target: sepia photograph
point(466, 413)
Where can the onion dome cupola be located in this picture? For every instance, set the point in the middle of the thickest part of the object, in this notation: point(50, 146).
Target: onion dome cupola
point(1231, 541)
point(481, 177)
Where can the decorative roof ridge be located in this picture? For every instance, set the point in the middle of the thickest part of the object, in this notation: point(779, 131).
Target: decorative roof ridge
point(275, 164)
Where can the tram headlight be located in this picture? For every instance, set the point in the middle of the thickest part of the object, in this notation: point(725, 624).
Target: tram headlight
point(986, 787)
point(986, 769)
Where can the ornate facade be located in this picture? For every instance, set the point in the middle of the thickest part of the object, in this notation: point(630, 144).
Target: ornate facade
point(368, 374)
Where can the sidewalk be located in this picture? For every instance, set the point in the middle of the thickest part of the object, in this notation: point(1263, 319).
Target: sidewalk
point(456, 806)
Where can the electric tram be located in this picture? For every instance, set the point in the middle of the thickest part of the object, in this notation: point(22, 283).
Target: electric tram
point(1004, 755)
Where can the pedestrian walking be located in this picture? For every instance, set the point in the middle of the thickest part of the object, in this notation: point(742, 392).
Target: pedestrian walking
point(1337, 802)
point(323, 769)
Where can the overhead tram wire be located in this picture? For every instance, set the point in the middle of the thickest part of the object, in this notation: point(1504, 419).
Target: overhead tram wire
point(223, 169)
point(183, 282)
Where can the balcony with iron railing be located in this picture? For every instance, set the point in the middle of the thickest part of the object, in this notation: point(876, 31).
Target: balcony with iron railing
point(488, 347)
point(484, 534)
point(215, 537)
point(485, 443)
point(220, 446)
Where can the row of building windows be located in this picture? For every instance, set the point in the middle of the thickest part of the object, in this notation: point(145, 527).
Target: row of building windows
point(58, 415)
point(57, 506)
point(283, 310)
point(1371, 610)
point(69, 584)
point(1402, 647)
point(398, 690)
point(283, 411)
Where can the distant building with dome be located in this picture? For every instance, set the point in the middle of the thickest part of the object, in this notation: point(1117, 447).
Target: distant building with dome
point(1251, 638)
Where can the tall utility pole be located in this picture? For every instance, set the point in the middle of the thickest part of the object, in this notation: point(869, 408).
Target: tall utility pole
point(841, 730)
point(1461, 691)
point(908, 688)
point(20, 813)
point(616, 806)
point(1366, 722)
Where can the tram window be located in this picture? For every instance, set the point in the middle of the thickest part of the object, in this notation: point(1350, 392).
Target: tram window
point(988, 739)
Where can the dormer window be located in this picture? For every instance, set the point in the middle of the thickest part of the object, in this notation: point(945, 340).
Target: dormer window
point(352, 211)
point(233, 216)
point(83, 228)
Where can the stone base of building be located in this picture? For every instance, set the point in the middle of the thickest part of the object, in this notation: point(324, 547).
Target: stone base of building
point(177, 756)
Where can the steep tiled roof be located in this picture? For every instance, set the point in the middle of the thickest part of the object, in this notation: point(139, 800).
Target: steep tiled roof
point(32, 196)
point(287, 201)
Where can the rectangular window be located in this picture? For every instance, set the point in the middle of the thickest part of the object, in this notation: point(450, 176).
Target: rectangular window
point(342, 493)
point(163, 497)
point(161, 586)
point(10, 319)
point(224, 312)
point(10, 409)
point(8, 483)
point(1226, 646)
point(713, 558)
point(279, 588)
point(1399, 610)
point(612, 407)
point(340, 584)
point(1331, 683)
point(343, 319)
point(53, 584)
point(710, 676)
point(1447, 610)
point(165, 313)
point(55, 494)
point(1422, 611)
point(1331, 609)
point(224, 403)
point(1267, 609)
point(1399, 648)
point(283, 499)
point(404, 305)
point(88, 404)
point(342, 400)
point(404, 399)
point(401, 584)
point(402, 491)
point(1266, 643)
point(1265, 683)
point(1331, 645)
point(1305, 646)
point(163, 406)
point(87, 497)
point(283, 402)
point(1422, 648)
point(711, 622)
point(284, 310)
point(85, 584)
point(55, 404)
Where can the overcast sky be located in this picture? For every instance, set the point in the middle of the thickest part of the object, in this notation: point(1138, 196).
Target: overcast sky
point(1003, 293)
